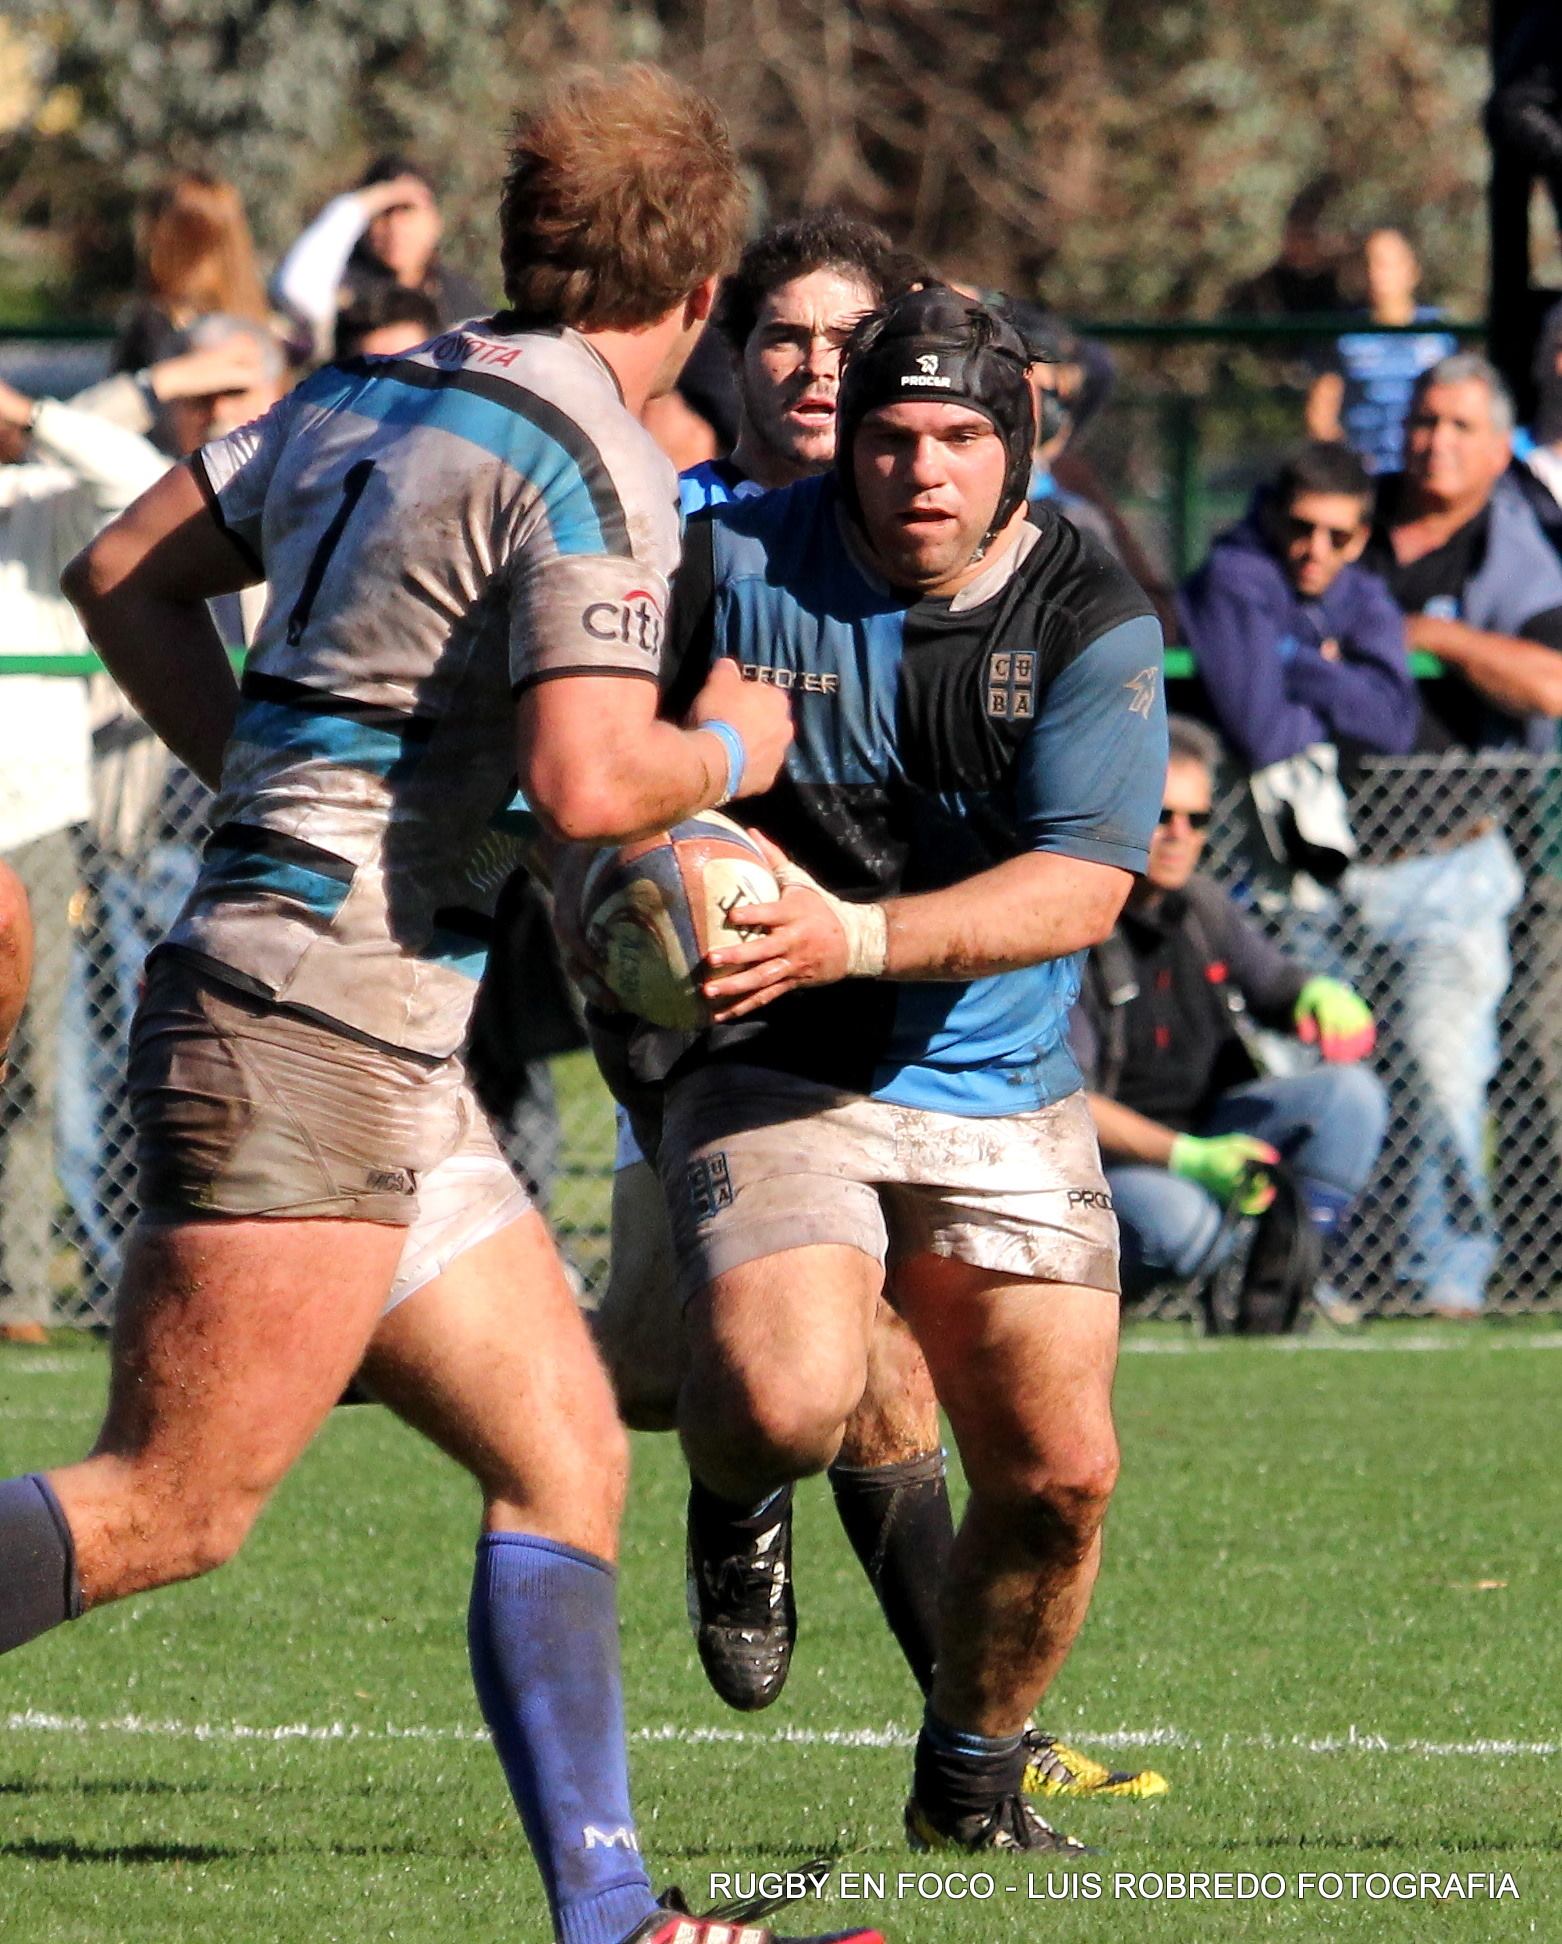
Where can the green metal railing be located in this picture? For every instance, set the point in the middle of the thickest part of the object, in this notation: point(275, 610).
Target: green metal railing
point(1182, 504)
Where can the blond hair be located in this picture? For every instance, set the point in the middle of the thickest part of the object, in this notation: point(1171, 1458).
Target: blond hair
point(621, 195)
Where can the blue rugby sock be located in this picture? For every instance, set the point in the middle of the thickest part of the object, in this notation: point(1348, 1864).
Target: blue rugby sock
point(38, 1584)
point(543, 1632)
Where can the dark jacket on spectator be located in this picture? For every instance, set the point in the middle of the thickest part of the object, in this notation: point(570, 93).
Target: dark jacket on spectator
point(1156, 1026)
point(1257, 646)
point(1497, 572)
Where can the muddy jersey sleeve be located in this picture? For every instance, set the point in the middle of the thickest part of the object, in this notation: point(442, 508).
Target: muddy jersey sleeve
point(234, 473)
point(1092, 769)
point(589, 583)
point(586, 614)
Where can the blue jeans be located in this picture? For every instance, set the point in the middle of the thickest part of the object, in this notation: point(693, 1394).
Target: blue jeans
point(1442, 924)
point(1328, 1123)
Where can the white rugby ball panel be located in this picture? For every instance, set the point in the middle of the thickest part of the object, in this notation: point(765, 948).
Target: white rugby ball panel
point(652, 911)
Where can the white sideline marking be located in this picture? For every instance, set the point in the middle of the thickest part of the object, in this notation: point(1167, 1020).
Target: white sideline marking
point(1321, 1344)
point(37, 1722)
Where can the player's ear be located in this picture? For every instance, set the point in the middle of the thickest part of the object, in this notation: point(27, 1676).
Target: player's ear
point(700, 302)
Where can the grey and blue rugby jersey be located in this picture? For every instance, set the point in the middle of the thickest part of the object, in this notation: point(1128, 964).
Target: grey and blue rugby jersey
point(439, 530)
point(934, 739)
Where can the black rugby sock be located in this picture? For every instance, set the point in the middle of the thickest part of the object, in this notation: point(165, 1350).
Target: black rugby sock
point(38, 1584)
point(898, 1520)
point(722, 1526)
point(958, 1774)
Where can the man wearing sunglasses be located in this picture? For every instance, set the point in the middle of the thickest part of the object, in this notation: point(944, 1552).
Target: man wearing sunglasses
point(1295, 644)
point(1186, 1123)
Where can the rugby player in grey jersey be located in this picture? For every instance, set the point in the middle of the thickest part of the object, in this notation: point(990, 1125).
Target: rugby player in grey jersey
point(480, 519)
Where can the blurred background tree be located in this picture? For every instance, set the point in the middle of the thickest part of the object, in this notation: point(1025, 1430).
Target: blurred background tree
point(1127, 157)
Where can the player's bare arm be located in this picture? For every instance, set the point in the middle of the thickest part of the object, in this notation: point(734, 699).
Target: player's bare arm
point(598, 766)
point(1021, 912)
point(141, 590)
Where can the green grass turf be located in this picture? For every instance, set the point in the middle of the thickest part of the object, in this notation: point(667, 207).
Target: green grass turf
point(1308, 1545)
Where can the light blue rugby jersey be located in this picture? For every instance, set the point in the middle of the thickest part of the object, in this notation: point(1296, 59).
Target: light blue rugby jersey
point(439, 530)
point(934, 739)
point(714, 482)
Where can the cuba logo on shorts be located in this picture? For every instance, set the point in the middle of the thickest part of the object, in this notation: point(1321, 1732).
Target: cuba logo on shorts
point(1011, 685)
point(710, 1187)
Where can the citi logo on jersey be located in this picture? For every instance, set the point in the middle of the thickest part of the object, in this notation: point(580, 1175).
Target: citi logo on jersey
point(636, 621)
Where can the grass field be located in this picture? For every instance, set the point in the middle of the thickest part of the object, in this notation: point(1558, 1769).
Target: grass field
point(1330, 1611)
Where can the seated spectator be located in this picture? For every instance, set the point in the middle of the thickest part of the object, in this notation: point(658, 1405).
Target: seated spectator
point(386, 231)
point(1186, 1123)
point(384, 321)
point(196, 258)
point(1295, 644)
point(1056, 380)
point(1465, 559)
point(1363, 391)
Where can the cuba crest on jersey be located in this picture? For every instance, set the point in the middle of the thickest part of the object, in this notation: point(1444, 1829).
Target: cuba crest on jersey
point(1011, 685)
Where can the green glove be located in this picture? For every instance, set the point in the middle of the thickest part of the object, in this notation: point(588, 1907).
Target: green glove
point(1330, 1016)
point(1228, 1166)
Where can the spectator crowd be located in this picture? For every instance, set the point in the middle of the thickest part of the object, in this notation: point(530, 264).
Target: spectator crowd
point(1225, 1033)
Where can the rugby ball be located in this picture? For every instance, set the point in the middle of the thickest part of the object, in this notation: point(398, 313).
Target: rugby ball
point(650, 913)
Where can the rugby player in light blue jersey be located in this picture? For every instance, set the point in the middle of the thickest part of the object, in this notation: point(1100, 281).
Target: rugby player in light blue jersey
point(468, 548)
point(976, 774)
point(785, 313)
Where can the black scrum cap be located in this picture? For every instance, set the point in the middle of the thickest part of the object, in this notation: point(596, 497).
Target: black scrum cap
point(934, 345)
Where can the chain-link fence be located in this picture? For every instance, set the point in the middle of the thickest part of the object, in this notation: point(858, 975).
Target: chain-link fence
point(1449, 923)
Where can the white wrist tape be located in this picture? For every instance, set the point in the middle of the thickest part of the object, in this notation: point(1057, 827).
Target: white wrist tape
point(865, 925)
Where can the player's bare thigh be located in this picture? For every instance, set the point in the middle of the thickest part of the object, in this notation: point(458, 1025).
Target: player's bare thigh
point(493, 1362)
point(778, 1358)
point(232, 1340)
point(638, 1328)
point(1025, 1371)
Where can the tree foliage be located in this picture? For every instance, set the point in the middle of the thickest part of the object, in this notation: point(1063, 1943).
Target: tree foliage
point(1129, 157)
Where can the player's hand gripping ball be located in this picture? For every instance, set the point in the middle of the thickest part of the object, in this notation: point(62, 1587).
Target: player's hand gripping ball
point(649, 913)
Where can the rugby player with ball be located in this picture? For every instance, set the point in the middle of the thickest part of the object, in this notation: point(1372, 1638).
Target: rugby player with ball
point(786, 312)
point(976, 774)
